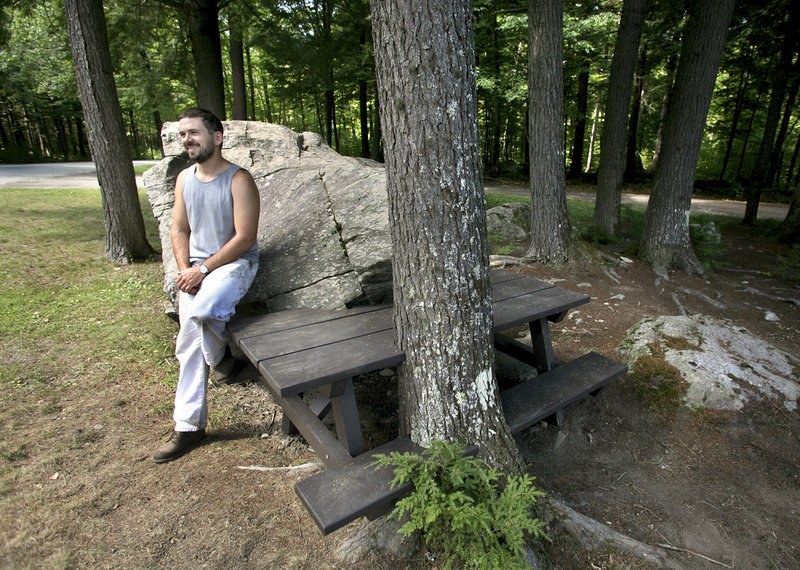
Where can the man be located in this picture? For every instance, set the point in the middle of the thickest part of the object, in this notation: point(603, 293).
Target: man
point(214, 226)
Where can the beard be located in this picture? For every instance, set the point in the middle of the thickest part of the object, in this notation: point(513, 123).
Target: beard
point(204, 152)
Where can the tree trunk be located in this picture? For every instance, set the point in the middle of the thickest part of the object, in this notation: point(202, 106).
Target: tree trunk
point(125, 234)
point(158, 124)
point(252, 85)
point(791, 225)
point(207, 54)
point(633, 160)
point(377, 137)
point(612, 141)
point(665, 240)
point(582, 105)
point(425, 65)
point(780, 74)
point(593, 135)
point(363, 116)
point(672, 63)
point(237, 71)
point(550, 233)
point(777, 150)
point(737, 113)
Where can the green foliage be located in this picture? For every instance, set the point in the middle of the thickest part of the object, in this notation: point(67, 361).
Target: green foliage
point(461, 505)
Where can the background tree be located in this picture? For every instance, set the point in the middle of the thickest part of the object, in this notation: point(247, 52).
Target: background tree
point(426, 77)
point(780, 78)
point(550, 233)
point(612, 143)
point(665, 240)
point(125, 234)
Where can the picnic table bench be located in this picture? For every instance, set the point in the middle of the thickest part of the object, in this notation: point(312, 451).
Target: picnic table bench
point(300, 350)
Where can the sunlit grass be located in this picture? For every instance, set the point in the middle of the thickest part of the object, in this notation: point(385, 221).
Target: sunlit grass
point(71, 316)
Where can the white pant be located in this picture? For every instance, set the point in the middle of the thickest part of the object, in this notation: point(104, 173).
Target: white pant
point(203, 336)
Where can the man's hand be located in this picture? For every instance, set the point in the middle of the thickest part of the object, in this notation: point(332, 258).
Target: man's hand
point(189, 280)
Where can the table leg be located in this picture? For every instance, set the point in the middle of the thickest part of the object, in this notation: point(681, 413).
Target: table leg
point(345, 414)
point(542, 345)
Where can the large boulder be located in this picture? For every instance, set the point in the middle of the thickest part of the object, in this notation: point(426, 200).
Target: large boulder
point(324, 237)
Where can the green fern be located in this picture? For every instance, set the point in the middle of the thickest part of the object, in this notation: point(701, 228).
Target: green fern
point(471, 511)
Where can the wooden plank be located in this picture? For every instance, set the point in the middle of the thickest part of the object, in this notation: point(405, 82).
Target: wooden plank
point(300, 371)
point(533, 400)
point(340, 495)
point(286, 320)
point(322, 441)
point(348, 326)
point(510, 288)
point(523, 309)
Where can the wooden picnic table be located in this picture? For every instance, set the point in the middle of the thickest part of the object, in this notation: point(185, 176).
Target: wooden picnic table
point(301, 350)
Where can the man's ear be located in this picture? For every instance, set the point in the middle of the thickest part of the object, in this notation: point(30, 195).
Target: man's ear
point(218, 136)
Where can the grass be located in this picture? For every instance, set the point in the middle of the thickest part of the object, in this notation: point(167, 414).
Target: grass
point(632, 221)
point(70, 315)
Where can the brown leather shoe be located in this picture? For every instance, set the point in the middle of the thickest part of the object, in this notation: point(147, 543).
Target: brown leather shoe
point(178, 443)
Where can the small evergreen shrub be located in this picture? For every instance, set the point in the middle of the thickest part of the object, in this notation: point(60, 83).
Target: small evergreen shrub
point(469, 510)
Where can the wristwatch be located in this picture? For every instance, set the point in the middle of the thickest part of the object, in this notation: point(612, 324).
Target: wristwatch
point(203, 269)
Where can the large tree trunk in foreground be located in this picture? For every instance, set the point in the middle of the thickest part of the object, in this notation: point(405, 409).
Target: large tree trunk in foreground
point(425, 64)
point(612, 142)
point(665, 239)
point(550, 233)
point(126, 238)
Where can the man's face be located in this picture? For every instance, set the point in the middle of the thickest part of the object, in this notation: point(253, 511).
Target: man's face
point(198, 141)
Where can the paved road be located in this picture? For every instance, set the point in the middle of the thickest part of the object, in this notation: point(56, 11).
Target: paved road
point(84, 175)
point(54, 175)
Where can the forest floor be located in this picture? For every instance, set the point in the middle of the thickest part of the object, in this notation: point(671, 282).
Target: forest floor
point(78, 487)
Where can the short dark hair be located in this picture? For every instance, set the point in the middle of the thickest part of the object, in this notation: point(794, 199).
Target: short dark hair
point(210, 120)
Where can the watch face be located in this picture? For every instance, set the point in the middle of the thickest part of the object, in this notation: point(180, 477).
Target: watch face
point(203, 269)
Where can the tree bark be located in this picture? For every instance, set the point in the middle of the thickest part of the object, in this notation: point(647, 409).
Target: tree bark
point(237, 71)
point(550, 233)
point(425, 64)
point(665, 240)
point(737, 113)
point(612, 141)
point(582, 105)
point(207, 54)
point(125, 234)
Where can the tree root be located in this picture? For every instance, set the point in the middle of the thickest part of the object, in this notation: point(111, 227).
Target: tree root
point(593, 534)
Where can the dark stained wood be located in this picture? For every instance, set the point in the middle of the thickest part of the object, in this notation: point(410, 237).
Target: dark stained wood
point(243, 329)
point(545, 303)
point(300, 371)
point(533, 400)
point(342, 494)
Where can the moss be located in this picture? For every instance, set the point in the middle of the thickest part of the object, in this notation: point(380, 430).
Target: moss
point(659, 384)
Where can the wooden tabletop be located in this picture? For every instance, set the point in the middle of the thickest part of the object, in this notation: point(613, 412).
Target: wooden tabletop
point(301, 349)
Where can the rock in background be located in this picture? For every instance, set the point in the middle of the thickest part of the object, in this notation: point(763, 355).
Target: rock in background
point(724, 365)
point(324, 238)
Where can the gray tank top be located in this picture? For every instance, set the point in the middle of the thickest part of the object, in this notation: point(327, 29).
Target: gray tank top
point(209, 207)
